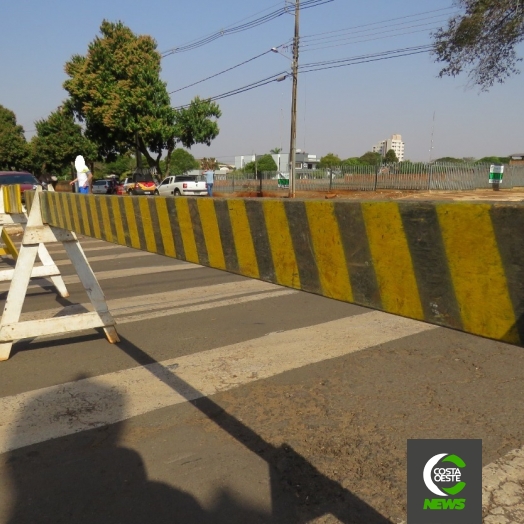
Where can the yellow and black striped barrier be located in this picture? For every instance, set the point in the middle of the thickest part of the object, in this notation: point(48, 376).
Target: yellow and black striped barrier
point(12, 198)
point(459, 265)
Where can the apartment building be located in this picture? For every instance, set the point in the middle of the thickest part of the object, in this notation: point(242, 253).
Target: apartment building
point(395, 143)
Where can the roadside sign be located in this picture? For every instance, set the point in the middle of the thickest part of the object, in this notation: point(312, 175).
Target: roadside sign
point(495, 174)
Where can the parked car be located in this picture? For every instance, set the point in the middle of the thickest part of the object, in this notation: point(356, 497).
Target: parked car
point(143, 184)
point(104, 187)
point(127, 183)
point(25, 180)
point(186, 185)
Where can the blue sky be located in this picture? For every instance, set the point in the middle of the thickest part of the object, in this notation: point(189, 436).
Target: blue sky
point(344, 110)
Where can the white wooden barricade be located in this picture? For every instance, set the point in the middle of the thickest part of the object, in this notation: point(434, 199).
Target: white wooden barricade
point(35, 236)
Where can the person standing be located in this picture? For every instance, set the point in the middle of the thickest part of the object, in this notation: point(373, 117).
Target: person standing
point(210, 176)
point(83, 175)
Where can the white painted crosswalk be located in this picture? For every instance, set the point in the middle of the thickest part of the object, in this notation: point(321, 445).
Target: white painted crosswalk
point(108, 398)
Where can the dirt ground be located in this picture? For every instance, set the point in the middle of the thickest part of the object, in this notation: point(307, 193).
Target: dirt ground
point(504, 195)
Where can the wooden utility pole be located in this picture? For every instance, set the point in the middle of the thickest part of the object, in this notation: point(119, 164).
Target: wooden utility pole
point(293, 140)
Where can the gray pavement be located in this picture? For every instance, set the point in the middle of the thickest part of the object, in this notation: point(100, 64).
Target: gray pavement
point(232, 401)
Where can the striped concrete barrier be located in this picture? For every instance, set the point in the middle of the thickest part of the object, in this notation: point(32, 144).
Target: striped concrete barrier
point(459, 265)
point(12, 199)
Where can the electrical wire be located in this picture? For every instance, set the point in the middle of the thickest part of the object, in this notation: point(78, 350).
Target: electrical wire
point(307, 4)
point(387, 21)
point(370, 39)
point(221, 72)
point(322, 65)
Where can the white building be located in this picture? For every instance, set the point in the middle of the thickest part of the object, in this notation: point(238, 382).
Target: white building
point(395, 143)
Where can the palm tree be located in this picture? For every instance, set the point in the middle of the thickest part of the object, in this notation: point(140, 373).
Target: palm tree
point(275, 150)
point(209, 163)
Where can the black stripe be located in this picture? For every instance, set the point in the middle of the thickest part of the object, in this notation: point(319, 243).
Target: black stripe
point(507, 219)
point(92, 219)
point(226, 235)
point(303, 246)
point(200, 241)
point(112, 221)
point(100, 216)
point(139, 222)
point(155, 224)
point(257, 225)
point(66, 211)
point(81, 218)
point(125, 226)
point(437, 294)
point(175, 228)
point(355, 243)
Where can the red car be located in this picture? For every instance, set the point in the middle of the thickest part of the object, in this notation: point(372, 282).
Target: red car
point(25, 180)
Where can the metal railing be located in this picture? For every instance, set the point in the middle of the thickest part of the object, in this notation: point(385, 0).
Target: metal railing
point(400, 176)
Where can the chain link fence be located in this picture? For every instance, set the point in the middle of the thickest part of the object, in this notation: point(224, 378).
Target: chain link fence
point(400, 176)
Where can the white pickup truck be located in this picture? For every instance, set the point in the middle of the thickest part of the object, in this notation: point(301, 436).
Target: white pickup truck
point(185, 185)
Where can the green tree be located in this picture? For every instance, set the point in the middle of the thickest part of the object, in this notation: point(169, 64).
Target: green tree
point(448, 160)
point(263, 164)
point(182, 161)
point(117, 91)
point(14, 150)
point(329, 161)
point(58, 142)
point(391, 157)
point(371, 159)
point(275, 150)
point(482, 41)
point(353, 161)
point(121, 165)
point(494, 160)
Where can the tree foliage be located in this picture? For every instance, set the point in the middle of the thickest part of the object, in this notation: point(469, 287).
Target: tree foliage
point(182, 161)
point(371, 159)
point(116, 89)
point(493, 160)
point(482, 41)
point(263, 164)
point(58, 142)
point(329, 161)
point(208, 163)
point(391, 157)
point(14, 150)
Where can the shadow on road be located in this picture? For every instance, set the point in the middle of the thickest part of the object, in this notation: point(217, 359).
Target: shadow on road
point(88, 477)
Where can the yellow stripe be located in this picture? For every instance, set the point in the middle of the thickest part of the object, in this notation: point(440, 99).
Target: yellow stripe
point(131, 223)
point(186, 230)
point(85, 217)
point(9, 244)
point(147, 224)
point(208, 218)
point(247, 260)
point(75, 204)
point(476, 270)
point(165, 226)
point(329, 252)
point(392, 259)
point(282, 250)
point(66, 219)
point(94, 214)
point(52, 199)
point(106, 221)
point(119, 225)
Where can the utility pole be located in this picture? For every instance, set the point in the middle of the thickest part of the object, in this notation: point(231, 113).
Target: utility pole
point(293, 141)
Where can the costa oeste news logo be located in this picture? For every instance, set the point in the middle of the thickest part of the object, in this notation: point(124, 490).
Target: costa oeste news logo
point(444, 487)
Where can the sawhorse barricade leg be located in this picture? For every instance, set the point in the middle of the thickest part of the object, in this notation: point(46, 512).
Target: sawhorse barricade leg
point(35, 236)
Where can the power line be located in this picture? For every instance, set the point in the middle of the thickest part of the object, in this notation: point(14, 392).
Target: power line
point(387, 21)
point(242, 27)
point(321, 65)
point(369, 39)
point(221, 72)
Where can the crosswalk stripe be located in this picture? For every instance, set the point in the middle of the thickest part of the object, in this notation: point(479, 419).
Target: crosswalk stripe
point(155, 305)
point(132, 392)
point(115, 273)
point(101, 258)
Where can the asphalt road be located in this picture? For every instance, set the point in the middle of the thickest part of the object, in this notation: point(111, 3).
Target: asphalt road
point(233, 401)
